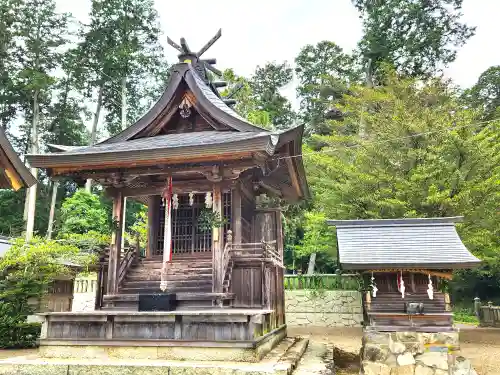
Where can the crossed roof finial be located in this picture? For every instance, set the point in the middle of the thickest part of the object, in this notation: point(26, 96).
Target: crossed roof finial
point(185, 50)
point(187, 54)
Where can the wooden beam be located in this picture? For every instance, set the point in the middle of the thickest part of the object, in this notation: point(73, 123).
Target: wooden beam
point(236, 212)
point(114, 253)
point(210, 43)
point(153, 224)
point(279, 234)
point(217, 240)
point(158, 167)
point(179, 187)
point(293, 176)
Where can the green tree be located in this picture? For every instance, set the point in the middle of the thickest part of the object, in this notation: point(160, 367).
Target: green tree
point(265, 85)
point(325, 72)
point(417, 37)
point(8, 29)
point(120, 53)
point(485, 94)
point(424, 155)
point(240, 89)
point(84, 212)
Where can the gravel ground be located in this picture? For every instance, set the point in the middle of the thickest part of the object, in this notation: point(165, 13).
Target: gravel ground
point(480, 345)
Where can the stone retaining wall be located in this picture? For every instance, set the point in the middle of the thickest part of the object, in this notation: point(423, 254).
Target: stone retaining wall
point(413, 353)
point(330, 308)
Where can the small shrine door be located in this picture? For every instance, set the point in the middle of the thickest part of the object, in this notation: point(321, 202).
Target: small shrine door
point(188, 236)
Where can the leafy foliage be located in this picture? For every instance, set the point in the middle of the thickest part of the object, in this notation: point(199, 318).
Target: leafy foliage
point(209, 219)
point(423, 155)
point(417, 37)
point(83, 212)
point(324, 72)
point(485, 94)
point(26, 272)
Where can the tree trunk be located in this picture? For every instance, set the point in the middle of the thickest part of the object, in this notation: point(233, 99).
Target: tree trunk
point(31, 194)
point(312, 264)
point(50, 227)
point(93, 134)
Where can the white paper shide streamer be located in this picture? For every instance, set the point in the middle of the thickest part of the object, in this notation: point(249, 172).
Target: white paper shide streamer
point(373, 286)
point(401, 285)
point(430, 288)
point(167, 234)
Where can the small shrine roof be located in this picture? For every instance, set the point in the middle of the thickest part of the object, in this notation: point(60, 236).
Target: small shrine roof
point(13, 173)
point(431, 243)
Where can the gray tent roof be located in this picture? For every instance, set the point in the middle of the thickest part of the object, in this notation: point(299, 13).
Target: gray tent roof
point(402, 243)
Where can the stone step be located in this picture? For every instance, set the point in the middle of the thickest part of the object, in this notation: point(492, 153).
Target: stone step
point(145, 290)
point(174, 266)
point(139, 276)
point(173, 284)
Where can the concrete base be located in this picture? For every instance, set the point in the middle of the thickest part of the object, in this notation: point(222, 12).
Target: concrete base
point(280, 361)
point(241, 351)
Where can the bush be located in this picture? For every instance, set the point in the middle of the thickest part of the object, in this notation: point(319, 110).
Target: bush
point(26, 272)
point(19, 335)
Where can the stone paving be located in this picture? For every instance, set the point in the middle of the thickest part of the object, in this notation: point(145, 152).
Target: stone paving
point(280, 361)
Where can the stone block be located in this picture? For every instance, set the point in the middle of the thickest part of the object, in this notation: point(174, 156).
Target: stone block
point(37, 369)
point(433, 359)
point(462, 366)
point(414, 347)
point(397, 347)
point(423, 370)
point(371, 368)
point(374, 337)
point(375, 353)
point(447, 338)
point(406, 359)
point(407, 336)
point(403, 370)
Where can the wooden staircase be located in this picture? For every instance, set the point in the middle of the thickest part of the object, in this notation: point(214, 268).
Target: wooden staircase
point(190, 278)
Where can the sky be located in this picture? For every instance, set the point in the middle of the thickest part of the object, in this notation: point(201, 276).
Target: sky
point(257, 31)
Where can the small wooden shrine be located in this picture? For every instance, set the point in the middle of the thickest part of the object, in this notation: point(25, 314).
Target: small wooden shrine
point(404, 263)
point(13, 173)
point(216, 254)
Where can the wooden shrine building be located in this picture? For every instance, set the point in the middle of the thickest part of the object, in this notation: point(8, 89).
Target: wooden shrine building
point(200, 168)
point(405, 264)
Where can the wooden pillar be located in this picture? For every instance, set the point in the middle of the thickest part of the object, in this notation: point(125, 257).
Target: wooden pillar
point(236, 213)
point(217, 241)
point(114, 252)
point(153, 223)
point(279, 233)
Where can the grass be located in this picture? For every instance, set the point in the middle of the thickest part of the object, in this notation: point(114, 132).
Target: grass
point(464, 316)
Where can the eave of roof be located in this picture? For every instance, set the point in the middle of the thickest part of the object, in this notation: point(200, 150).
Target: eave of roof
point(189, 145)
point(15, 162)
point(395, 222)
point(401, 243)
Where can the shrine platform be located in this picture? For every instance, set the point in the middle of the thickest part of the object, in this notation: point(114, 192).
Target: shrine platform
point(219, 334)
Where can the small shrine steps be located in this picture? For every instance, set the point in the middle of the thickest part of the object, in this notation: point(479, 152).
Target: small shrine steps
point(189, 277)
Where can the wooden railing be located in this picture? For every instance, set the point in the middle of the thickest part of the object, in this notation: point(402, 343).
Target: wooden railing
point(226, 257)
point(322, 281)
point(127, 260)
point(263, 251)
